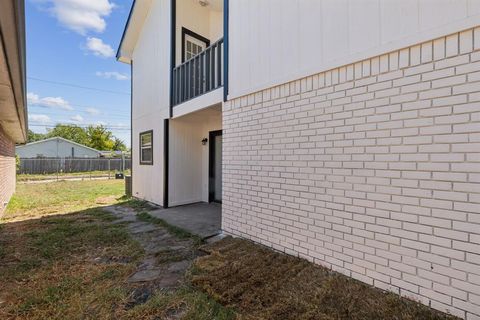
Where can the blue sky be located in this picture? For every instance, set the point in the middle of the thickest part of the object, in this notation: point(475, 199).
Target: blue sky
point(74, 42)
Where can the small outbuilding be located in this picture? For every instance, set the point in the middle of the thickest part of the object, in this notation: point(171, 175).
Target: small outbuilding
point(56, 147)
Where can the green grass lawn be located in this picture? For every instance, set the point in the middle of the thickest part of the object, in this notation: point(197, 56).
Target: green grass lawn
point(36, 200)
point(70, 266)
point(61, 257)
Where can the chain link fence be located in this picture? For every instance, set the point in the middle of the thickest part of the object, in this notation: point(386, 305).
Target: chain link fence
point(31, 169)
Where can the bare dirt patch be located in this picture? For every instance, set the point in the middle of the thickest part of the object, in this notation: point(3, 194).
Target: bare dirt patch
point(260, 283)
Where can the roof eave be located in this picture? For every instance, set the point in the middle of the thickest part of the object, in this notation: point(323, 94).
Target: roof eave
point(136, 18)
point(13, 114)
point(120, 56)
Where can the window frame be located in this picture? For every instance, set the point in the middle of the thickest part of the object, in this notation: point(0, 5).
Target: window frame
point(195, 35)
point(142, 162)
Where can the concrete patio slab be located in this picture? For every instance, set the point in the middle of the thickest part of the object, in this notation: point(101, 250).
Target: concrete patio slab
point(201, 219)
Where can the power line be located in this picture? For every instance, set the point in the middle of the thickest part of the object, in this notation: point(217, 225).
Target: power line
point(77, 86)
point(120, 116)
point(81, 126)
point(73, 105)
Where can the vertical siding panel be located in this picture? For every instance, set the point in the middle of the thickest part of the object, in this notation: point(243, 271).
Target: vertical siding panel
point(397, 19)
point(277, 41)
point(363, 25)
point(334, 18)
point(310, 33)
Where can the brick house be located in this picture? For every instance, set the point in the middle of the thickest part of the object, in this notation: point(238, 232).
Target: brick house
point(344, 132)
point(13, 111)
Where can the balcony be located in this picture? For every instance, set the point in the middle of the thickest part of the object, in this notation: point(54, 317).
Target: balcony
point(199, 75)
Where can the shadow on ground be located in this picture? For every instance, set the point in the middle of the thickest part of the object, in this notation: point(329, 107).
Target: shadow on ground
point(264, 284)
point(99, 263)
point(124, 262)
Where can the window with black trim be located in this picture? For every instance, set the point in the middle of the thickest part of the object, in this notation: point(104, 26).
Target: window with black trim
point(192, 44)
point(146, 147)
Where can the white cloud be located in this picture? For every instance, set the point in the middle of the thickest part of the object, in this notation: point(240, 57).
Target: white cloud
point(40, 118)
point(112, 74)
point(92, 111)
point(77, 118)
point(48, 102)
point(99, 48)
point(81, 16)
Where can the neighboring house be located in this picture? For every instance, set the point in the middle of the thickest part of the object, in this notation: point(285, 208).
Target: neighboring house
point(13, 110)
point(344, 132)
point(56, 148)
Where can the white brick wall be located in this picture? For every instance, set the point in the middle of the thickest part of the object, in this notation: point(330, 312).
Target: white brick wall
point(371, 169)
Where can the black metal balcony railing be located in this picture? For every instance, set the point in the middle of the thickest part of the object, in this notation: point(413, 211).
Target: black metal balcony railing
point(199, 75)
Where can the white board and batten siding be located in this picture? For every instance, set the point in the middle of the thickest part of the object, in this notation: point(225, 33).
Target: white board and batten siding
point(151, 103)
point(272, 42)
point(189, 158)
point(151, 76)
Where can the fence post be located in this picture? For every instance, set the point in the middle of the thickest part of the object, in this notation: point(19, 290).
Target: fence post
point(90, 168)
point(58, 168)
point(109, 169)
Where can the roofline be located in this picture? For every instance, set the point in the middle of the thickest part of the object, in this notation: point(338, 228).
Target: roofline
point(14, 50)
point(127, 24)
point(59, 138)
point(21, 34)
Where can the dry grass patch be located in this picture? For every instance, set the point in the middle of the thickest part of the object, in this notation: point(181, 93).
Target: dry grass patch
point(67, 267)
point(63, 257)
point(185, 303)
point(263, 284)
point(76, 267)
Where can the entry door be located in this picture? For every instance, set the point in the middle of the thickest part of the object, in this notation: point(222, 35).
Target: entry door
point(215, 166)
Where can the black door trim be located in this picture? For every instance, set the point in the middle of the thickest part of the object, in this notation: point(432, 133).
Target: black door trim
point(173, 49)
point(211, 164)
point(166, 158)
point(226, 45)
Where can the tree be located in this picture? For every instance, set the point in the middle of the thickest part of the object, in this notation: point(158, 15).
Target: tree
point(119, 145)
point(70, 132)
point(97, 137)
point(32, 136)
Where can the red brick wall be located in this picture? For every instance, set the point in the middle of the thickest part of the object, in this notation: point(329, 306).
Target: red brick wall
point(7, 169)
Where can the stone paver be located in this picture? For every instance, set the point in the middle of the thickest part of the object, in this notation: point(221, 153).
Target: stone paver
point(141, 227)
point(145, 275)
point(166, 257)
